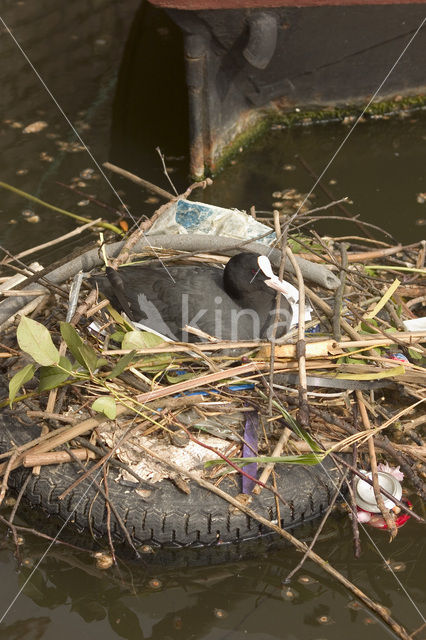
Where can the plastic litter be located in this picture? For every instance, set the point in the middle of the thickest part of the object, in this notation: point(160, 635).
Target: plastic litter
point(186, 217)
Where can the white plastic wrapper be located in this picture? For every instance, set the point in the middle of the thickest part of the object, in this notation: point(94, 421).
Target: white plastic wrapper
point(184, 216)
point(415, 324)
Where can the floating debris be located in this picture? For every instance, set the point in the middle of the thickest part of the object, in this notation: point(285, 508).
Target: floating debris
point(103, 561)
point(87, 174)
point(155, 583)
point(289, 594)
point(28, 563)
point(220, 613)
point(45, 157)
point(307, 580)
point(395, 566)
point(35, 127)
point(70, 147)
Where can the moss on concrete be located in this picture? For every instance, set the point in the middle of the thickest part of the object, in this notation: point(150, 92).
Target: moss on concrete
point(305, 117)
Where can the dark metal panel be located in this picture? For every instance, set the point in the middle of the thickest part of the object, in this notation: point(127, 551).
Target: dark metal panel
point(324, 56)
point(196, 5)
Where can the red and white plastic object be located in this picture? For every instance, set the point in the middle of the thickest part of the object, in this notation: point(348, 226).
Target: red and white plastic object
point(367, 508)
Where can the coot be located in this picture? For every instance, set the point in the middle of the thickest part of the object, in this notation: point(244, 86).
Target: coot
point(235, 303)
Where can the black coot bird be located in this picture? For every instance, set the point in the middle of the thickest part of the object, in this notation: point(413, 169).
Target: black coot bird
point(237, 303)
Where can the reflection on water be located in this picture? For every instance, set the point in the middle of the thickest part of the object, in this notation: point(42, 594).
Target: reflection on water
point(77, 48)
point(380, 169)
point(236, 600)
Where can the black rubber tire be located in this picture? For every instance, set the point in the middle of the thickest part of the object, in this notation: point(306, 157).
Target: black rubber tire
point(168, 518)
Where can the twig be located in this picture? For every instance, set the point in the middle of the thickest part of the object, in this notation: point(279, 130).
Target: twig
point(330, 195)
point(317, 532)
point(108, 508)
point(56, 457)
point(380, 441)
point(66, 434)
point(100, 450)
point(19, 498)
point(301, 345)
point(388, 517)
point(365, 255)
point(227, 460)
point(51, 243)
point(105, 458)
point(42, 535)
point(166, 173)
point(8, 469)
point(418, 630)
point(351, 488)
point(37, 275)
point(104, 495)
point(377, 328)
point(353, 219)
point(283, 240)
point(340, 293)
point(324, 207)
point(276, 452)
point(139, 181)
point(87, 196)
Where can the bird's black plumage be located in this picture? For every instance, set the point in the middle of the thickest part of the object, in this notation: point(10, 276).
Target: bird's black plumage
point(230, 304)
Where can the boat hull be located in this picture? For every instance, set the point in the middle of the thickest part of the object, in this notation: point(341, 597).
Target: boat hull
point(247, 64)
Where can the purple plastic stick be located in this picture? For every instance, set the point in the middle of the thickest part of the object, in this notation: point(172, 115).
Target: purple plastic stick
point(250, 449)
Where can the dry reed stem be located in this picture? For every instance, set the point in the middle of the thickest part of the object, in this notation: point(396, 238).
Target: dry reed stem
point(56, 457)
point(51, 243)
point(388, 517)
point(301, 344)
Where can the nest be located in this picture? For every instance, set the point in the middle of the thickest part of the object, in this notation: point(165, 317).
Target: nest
point(161, 410)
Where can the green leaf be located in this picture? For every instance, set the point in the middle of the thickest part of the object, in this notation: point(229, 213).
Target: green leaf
point(369, 271)
point(304, 458)
point(354, 361)
point(369, 329)
point(173, 379)
point(118, 336)
point(304, 435)
point(19, 379)
point(153, 364)
point(118, 319)
point(106, 405)
point(414, 354)
point(101, 362)
point(52, 377)
point(141, 340)
point(399, 370)
point(84, 354)
point(34, 339)
point(122, 364)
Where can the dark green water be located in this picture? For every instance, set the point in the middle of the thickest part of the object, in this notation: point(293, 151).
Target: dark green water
point(381, 168)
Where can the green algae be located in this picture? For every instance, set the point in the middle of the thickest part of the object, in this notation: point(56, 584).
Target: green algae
point(346, 114)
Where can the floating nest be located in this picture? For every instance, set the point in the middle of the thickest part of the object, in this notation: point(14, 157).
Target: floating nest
point(171, 444)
